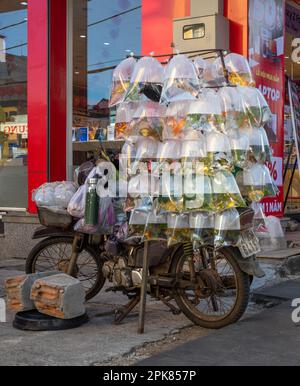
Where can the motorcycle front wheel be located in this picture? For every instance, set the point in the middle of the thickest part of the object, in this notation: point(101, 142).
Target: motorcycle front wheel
point(53, 254)
point(219, 291)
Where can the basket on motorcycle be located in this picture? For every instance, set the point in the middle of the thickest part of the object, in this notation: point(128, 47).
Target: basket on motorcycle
point(53, 217)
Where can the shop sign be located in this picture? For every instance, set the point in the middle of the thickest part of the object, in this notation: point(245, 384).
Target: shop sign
point(266, 57)
point(14, 128)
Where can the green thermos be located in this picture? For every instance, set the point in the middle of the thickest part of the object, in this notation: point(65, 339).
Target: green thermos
point(91, 203)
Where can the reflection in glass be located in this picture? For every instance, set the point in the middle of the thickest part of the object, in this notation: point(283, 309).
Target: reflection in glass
point(13, 104)
point(104, 34)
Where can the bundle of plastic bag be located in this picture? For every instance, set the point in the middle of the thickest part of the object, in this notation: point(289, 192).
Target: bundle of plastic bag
point(44, 196)
point(146, 81)
point(148, 120)
point(198, 193)
point(180, 80)
point(121, 80)
point(227, 228)
point(64, 192)
point(239, 142)
point(55, 195)
point(202, 226)
point(255, 183)
point(226, 192)
point(259, 146)
point(124, 117)
point(233, 110)
point(219, 154)
point(206, 113)
point(175, 120)
point(178, 228)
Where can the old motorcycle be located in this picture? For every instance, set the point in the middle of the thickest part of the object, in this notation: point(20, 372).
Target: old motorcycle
point(209, 284)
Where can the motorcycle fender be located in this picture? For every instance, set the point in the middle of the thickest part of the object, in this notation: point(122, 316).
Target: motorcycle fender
point(43, 232)
point(249, 265)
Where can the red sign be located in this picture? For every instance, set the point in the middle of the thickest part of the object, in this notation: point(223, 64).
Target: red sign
point(14, 128)
point(266, 57)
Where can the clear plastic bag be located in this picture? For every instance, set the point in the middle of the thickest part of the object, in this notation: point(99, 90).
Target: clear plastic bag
point(178, 228)
point(106, 216)
point(226, 192)
point(202, 226)
point(146, 148)
point(239, 71)
point(124, 117)
point(148, 120)
point(64, 192)
point(260, 149)
point(84, 171)
point(198, 193)
point(253, 108)
point(169, 150)
point(171, 193)
point(219, 154)
point(255, 183)
point(201, 65)
point(180, 80)
point(146, 81)
point(127, 157)
point(121, 81)
point(239, 142)
point(175, 120)
point(44, 196)
point(144, 224)
point(193, 146)
point(227, 228)
point(213, 74)
point(76, 207)
point(206, 113)
point(233, 110)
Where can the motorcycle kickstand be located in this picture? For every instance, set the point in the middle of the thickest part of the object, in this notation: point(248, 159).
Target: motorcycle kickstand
point(121, 313)
point(174, 310)
point(77, 245)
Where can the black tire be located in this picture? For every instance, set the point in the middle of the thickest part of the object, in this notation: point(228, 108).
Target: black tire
point(241, 301)
point(35, 253)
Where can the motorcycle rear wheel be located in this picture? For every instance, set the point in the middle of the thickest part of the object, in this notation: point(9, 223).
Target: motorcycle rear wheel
point(54, 253)
point(211, 311)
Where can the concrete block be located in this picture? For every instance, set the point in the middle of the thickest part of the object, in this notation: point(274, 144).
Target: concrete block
point(60, 296)
point(18, 290)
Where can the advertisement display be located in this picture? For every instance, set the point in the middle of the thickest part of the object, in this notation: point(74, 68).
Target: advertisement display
point(266, 57)
point(295, 113)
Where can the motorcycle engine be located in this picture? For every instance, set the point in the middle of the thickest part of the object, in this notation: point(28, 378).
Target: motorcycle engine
point(118, 273)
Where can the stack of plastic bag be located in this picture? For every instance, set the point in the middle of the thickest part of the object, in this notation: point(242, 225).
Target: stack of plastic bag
point(55, 196)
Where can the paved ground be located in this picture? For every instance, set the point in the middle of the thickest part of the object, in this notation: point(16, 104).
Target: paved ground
point(269, 338)
point(94, 343)
point(101, 343)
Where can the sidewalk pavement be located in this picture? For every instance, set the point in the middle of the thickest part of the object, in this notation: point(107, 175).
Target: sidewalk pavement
point(269, 338)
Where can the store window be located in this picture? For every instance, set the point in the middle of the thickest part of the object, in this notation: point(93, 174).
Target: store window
point(13, 104)
point(104, 33)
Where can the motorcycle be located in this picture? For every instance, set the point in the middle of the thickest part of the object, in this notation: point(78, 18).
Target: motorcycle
point(209, 284)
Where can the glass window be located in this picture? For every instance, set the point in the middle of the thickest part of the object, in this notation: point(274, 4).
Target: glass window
point(13, 104)
point(104, 33)
point(195, 31)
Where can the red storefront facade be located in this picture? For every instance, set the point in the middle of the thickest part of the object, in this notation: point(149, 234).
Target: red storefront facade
point(50, 72)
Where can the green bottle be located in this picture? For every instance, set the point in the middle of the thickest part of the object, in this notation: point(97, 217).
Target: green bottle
point(91, 203)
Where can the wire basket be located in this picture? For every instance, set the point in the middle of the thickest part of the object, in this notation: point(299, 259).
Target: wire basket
point(57, 218)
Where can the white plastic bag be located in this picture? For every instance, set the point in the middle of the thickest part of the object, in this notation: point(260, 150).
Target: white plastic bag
point(44, 196)
point(121, 80)
point(76, 207)
point(64, 193)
